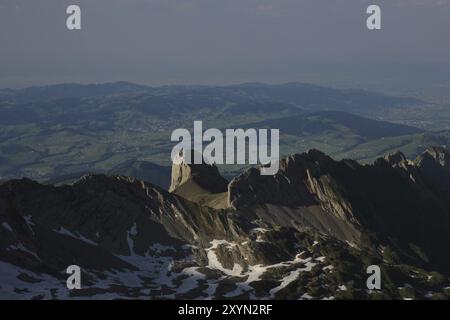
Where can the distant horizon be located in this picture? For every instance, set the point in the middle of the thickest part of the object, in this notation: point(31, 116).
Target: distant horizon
point(193, 85)
point(437, 74)
point(125, 82)
point(329, 73)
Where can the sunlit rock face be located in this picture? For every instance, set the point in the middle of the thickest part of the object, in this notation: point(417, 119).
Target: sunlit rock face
point(205, 175)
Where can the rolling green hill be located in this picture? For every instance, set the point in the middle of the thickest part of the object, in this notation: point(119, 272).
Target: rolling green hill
point(47, 132)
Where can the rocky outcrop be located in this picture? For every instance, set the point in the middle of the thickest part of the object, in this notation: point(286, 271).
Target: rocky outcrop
point(434, 163)
point(204, 175)
point(436, 155)
point(397, 159)
point(303, 180)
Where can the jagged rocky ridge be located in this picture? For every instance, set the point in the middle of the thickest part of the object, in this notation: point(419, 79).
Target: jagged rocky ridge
point(308, 232)
point(406, 203)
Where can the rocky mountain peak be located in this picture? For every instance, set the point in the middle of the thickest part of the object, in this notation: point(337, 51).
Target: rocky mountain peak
point(438, 155)
point(299, 182)
point(396, 158)
point(434, 164)
point(205, 175)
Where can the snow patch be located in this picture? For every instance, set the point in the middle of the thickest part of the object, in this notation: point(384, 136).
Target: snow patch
point(321, 259)
point(292, 276)
point(7, 226)
point(66, 232)
point(306, 296)
point(214, 263)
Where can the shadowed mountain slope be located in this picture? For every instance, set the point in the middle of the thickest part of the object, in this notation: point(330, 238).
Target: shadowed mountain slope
point(309, 231)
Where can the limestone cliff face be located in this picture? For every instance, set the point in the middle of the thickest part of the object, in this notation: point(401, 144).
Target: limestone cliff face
point(437, 155)
point(435, 165)
point(204, 175)
point(303, 180)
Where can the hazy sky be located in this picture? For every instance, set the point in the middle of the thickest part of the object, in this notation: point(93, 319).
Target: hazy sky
point(217, 41)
